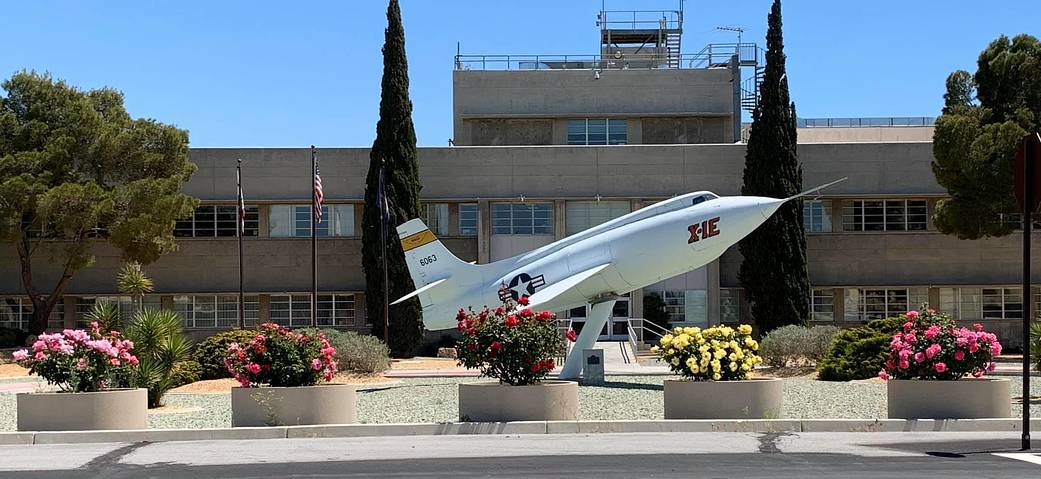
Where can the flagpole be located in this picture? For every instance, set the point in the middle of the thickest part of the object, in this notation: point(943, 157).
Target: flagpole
point(384, 212)
point(240, 228)
point(314, 242)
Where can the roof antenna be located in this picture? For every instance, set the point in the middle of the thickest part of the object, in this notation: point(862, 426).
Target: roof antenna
point(739, 31)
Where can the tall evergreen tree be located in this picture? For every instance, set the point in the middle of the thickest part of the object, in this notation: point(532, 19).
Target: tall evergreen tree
point(395, 150)
point(774, 269)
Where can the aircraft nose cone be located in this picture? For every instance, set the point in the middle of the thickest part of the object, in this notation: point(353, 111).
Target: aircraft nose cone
point(769, 207)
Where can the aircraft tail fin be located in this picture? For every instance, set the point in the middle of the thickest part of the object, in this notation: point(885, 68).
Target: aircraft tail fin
point(817, 189)
point(429, 262)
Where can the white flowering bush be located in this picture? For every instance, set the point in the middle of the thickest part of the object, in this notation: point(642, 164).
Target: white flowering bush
point(720, 353)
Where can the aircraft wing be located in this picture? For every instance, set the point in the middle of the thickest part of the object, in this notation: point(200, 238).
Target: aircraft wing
point(556, 289)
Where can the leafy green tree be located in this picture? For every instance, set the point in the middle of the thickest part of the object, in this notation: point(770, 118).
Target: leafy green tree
point(773, 272)
point(394, 150)
point(75, 168)
point(985, 116)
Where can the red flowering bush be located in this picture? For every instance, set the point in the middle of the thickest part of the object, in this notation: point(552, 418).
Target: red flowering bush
point(931, 346)
point(81, 361)
point(279, 357)
point(515, 347)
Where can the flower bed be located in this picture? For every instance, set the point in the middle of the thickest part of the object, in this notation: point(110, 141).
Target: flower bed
point(279, 371)
point(715, 364)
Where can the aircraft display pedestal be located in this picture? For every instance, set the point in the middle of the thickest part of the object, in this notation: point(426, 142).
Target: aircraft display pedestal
point(595, 321)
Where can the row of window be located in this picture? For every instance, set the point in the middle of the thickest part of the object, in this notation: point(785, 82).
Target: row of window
point(867, 215)
point(198, 311)
point(532, 218)
point(597, 131)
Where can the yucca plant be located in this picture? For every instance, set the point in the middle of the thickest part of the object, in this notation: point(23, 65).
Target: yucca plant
point(106, 315)
point(159, 346)
point(133, 281)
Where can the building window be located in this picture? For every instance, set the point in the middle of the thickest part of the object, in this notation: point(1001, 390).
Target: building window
point(468, 215)
point(291, 310)
point(211, 221)
point(17, 312)
point(884, 215)
point(215, 311)
point(686, 306)
point(522, 218)
point(822, 305)
point(877, 303)
point(125, 305)
point(582, 215)
point(336, 310)
point(597, 131)
point(436, 217)
point(816, 216)
point(729, 305)
point(1002, 303)
point(295, 220)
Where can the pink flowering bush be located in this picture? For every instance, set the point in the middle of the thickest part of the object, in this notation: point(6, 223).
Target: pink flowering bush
point(515, 347)
point(81, 361)
point(277, 356)
point(931, 346)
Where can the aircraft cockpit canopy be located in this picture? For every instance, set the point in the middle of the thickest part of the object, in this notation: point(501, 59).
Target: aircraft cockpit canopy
point(703, 198)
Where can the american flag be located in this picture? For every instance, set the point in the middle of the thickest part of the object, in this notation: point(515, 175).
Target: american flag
point(318, 195)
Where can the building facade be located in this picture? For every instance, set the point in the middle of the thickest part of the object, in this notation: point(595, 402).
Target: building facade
point(545, 148)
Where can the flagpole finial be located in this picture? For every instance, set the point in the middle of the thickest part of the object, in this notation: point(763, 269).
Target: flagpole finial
point(240, 161)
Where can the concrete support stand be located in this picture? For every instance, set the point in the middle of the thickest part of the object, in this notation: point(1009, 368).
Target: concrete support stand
point(598, 316)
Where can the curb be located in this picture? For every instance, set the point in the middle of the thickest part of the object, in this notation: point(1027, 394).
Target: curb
point(524, 427)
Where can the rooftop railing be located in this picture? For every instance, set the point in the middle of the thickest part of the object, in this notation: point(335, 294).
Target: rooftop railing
point(639, 19)
point(865, 122)
point(716, 55)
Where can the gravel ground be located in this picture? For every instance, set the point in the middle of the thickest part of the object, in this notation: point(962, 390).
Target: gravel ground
point(429, 400)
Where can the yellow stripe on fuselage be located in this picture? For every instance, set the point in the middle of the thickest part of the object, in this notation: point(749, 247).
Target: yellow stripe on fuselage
point(416, 240)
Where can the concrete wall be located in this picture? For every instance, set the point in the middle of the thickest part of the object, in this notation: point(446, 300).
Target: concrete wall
point(481, 95)
point(865, 135)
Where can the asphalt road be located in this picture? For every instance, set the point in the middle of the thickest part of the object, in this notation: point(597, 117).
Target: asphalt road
point(707, 455)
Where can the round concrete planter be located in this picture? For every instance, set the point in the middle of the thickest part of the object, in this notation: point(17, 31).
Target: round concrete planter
point(970, 398)
point(270, 406)
point(494, 402)
point(759, 398)
point(113, 409)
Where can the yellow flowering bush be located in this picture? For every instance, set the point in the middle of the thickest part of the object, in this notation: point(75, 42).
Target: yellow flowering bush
point(719, 353)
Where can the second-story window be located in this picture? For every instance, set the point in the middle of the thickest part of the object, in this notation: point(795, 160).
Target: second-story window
point(216, 220)
point(582, 215)
point(884, 215)
point(816, 216)
point(436, 217)
point(597, 131)
point(522, 218)
point(295, 220)
point(468, 219)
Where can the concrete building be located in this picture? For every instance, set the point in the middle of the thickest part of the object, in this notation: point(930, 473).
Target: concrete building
point(546, 146)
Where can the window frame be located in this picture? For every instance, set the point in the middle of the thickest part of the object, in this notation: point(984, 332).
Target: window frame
point(522, 223)
point(615, 131)
point(206, 222)
point(879, 215)
point(464, 219)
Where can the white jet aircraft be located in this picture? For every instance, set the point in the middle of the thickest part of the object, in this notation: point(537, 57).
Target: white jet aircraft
point(592, 268)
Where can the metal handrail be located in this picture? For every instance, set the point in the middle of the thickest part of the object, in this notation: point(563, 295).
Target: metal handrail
point(634, 61)
point(672, 18)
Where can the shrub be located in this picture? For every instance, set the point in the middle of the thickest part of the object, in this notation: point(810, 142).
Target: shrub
point(654, 311)
point(210, 352)
point(279, 357)
point(791, 343)
point(186, 372)
point(516, 348)
point(858, 353)
point(12, 338)
point(718, 353)
point(106, 315)
point(359, 353)
point(159, 345)
point(930, 346)
point(80, 361)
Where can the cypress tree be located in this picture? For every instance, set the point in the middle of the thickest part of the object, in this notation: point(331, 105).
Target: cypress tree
point(395, 149)
point(773, 273)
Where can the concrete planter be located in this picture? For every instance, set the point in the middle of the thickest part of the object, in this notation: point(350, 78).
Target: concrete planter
point(270, 406)
point(758, 398)
point(494, 402)
point(970, 398)
point(113, 409)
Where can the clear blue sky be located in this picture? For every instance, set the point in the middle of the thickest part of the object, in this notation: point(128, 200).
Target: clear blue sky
point(256, 73)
